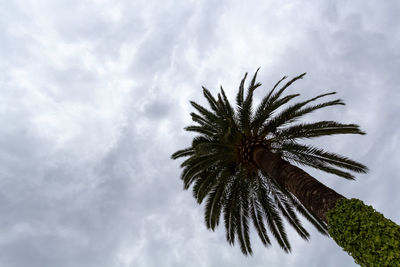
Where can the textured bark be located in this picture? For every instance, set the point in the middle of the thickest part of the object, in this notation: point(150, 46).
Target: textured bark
point(315, 196)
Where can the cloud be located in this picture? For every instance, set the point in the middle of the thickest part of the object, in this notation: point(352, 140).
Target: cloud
point(95, 96)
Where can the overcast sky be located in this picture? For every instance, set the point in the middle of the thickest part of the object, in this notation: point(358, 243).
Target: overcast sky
point(94, 96)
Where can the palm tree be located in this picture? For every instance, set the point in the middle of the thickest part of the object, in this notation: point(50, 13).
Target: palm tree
point(242, 163)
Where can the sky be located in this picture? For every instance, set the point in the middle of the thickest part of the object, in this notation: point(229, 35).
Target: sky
point(94, 96)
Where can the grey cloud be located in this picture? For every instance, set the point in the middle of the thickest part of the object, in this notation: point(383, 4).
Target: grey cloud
point(86, 176)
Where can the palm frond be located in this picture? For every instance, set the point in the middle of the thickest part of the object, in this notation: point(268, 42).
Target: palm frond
point(206, 130)
point(296, 111)
point(214, 201)
point(231, 211)
point(275, 97)
point(290, 216)
point(314, 220)
point(183, 153)
point(243, 215)
point(312, 162)
point(211, 100)
point(321, 128)
point(245, 110)
point(190, 172)
point(240, 94)
point(322, 156)
point(229, 109)
point(274, 222)
point(204, 183)
point(204, 122)
point(207, 115)
point(262, 114)
point(278, 94)
point(318, 223)
point(257, 215)
point(201, 140)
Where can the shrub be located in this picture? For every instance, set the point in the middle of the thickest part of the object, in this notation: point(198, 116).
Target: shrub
point(370, 238)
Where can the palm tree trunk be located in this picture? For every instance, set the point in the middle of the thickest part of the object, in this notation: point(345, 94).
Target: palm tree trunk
point(314, 196)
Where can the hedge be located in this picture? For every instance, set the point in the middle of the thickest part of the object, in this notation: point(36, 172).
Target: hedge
point(370, 238)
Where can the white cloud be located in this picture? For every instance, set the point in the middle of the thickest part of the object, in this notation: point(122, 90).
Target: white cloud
point(94, 96)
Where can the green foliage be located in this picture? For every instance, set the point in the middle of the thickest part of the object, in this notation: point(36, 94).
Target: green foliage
point(231, 186)
point(370, 238)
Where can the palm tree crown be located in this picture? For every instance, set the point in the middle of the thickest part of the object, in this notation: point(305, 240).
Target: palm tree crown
point(221, 169)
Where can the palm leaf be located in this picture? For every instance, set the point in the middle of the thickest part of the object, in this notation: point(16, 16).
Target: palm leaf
point(321, 128)
point(240, 94)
